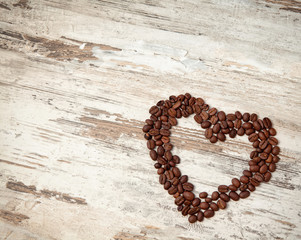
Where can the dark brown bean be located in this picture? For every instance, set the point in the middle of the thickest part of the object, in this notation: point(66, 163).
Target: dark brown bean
point(177, 105)
point(247, 173)
point(188, 195)
point(276, 150)
point(223, 188)
point(208, 213)
point(237, 123)
point(153, 109)
point(231, 117)
point(146, 128)
point(272, 131)
point(194, 210)
point(272, 167)
point(253, 117)
point(208, 133)
point(185, 210)
point(254, 168)
point(172, 112)
point(200, 216)
point(172, 190)
point(243, 187)
point(151, 144)
point(172, 121)
point(267, 122)
point(263, 169)
point(244, 194)
point(203, 194)
point(224, 197)
point(221, 116)
point(263, 144)
point(205, 124)
point(236, 182)
point(213, 139)
point(192, 219)
point(179, 200)
point(160, 151)
point(254, 182)
point(169, 175)
point(213, 119)
point(204, 115)
point(198, 119)
point(241, 131)
point(176, 171)
point(232, 188)
point(256, 126)
point(238, 115)
point(258, 177)
point(167, 185)
point(232, 133)
point(184, 179)
point(267, 176)
point(212, 111)
point(247, 125)
point(154, 132)
point(234, 196)
point(204, 205)
point(188, 186)
point(215, 195)
point(153, 154)
point(244, 179)
point(196, 202)
point(214, 206)
point(276, 159)
point(251, 187)
point(221, 204)
point(221, 136)
point(253, 137)
point(208, 199)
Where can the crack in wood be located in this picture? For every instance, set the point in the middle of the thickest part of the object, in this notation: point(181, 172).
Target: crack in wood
point(12, 217)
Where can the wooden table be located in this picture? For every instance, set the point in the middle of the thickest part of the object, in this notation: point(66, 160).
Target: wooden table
point(77, 79)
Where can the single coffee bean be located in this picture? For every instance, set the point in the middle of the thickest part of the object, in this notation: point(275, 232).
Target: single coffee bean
point(162, 179)
point(172, 121)
point(157, 165)
point(164, 118)
point(263, 156)
point(208, 199)
point(203, 194)
point(184, 179)
point(204, 115)
point(159, 143)
point(214, 206)
point(251, 187)
point(276, 159)
point(233, 133)
point(172, 112)
point(176, 195)
point(188, 186)
point(146, 128)
point(205, 124)
point(263, 169)
point(272, 167)
point(244, 179)
point(253, 117)
point(247, 125)
point(200, 216)
point(176, 171)
point(231, 117)
point(254, 182)
point(258, 177)
point(253, 154)
point(262, 136)
point(243, 187)
point(167, 185)
point(193, 210)
point(241, 131)
point(246, 117)
point(153, 109)
point(169, 174)
point(177, 105)
point(232, 188)
point(256, 126)
point(212, 111)
point(236, 182)
point(244, 194)
point(224, 197)
point(198, 119)
point(263, 144)
point(160, 151)
point(221, 116)
point(276, 150)
point(254, 168)
point(188, 195)
point(223, 188)
point(268, 149)
point(253, 137)
point(237, 123)
point(215, 195)
point(249, 131)
point(234, 196)
point(267, 122)
point(179, 200)
point(185, 210)
point(213, 139)
point(208, 133)
point(192, 219)
point(154, 132)
point(175, 181)
point(238, 115)
point(272, 131)
point(147, 136)
point(221, 204)
point(247, 173)
point(151, 144)
point(204, 205)
point(172, 190)
point(153, 155)
point(208, 213)
point(196, 202)
point(267, 176)
point(180, 208)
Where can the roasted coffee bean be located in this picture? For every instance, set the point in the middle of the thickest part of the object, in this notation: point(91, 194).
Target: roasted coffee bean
point(244, 194)
point(147, 136)
point(208, 133)
point(208, 199)
point(185, 210)
point(224, 124)
point(180, 208)
point(272, 131)
point(263, 144)
point(216, 128)
point(200, 216)
point(221, 136)
point(253, 154)
point(253, 117)
point(153, 155)
point(187, 203)
point(188, 195)
point(172, 121)
point(221, 204)
point(253, 162)
point(212, 111)
point(196, 202)
point(167, 185)
point(224, 197)
point(169, 174)
point(175, 181)
point(176, 195)
point(194, 210)
point(213, 119)
point(276, 159)
point(221, 116)
point(230, 124)
point(261, 163)
point(176, 171)
point(203, 194)
point(234, 196)
point(268, 149)
point(158, 124)
point(249, 131)
point(149, 122)
point(153, 109)
point(172, 112)
point(267, 176)
point(154, 132)
point(232, 188)
point(247, 125)
point(254, 182)
point(237, 123)
point(231, 117)
point(198, 119)
point(177, 105)
point(267, 122)
point(238, 115)
point(223, 188)
point(205, 124)
point(241, 131)
point(146, 128)
point(204, 205)
point(208, 213)
point(159, 143)
point(215, 195)
point(253, 137)
point(244, 179)
point(276, 150)
point(188, 186)
point(192, 219)
point(263, 169)
point(246, 117)
point(236, 182)
point(184, 179)
point(213, 139)
point(262, 136)
point(180, 188)
point(247, 173)
point(204, 115)
point(251, 187)
point(179, 200)
point(151, 144)
point(258, 177)
point(172, 190)
point(160, 151)
point(162, 179)
point(263, 156)
point(153, 118)
point(157, 165)
point(214, 206)
point(254, 168)
point(272, 167)
point(256, 126)
point(233, 133)
point(243, 187)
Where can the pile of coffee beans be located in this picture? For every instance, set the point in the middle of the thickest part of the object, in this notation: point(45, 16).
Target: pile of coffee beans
point(217, 125)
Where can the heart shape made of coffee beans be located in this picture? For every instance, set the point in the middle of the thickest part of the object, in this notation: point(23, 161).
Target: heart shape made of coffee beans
point(217, 124)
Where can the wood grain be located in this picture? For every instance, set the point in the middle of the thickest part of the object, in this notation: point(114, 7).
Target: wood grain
point(77, 79)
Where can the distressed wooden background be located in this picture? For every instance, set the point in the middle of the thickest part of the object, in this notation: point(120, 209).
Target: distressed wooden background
point(77, 79)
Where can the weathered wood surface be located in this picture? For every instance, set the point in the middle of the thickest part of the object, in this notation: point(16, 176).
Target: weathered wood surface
point(76, 81)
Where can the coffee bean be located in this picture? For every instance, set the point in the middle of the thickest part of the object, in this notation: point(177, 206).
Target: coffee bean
point(249, 131)
point(200, 216)
point(273, 141)
point(231, 117)
point(184, 179)
point(267, 176)
point(232, 133)
point(272, 167)
point(247, 173)
point(205, 124)
point(175, 181)
point(159, 143)
point(176, 195)
point(192, 219)
point(276, 150)
point(267, 122)
point(177, 105)
point(157, 165)
point(146, 128)
point(263, 156)
point(232, 188)
point(223, 188)
point(215, 195)
point(221, 204)
point(246, 117)
point(167, 185)
point(194, 210)
point(213, 119)
point(240, 131)
point(230, 124)
point(204, 205)
point(160, 151)
point(254, 168)
point(272, 131)
point(251, 187)
point(238, 115)
point(221, 136)
point(236, 182)
point(147, 136)
point(153, 155)
point(224, 124)
point(208, 199)
point(154, 132)
point(253, 154)
point(237, 123)
point(253, 137)
point(180, 208)
point(263, 169)
point(263, 144)
point(151, 144)
point(176, 171)
point(244, 179)
point(172, 112)
point(172, 121)
point(204, 115)
point(188, 195)
point(254, 182)
point(208, 133)
point(243, 187)
point(247, 125)
point(234, 196)
point(172, 190)
point(212, 111)
point(196, 202)
point(256, 126)
point(203, 194)
point(208, 213)
point(253, 117)
point(187, 203)
point(185, 210)
point(213, 139)
point(214, 206)
point(153, 109)
point(244, 194)
point(221, 116)
point(224, 197)
point(258, 177)
point(188, 186)
point(180, 188)
point(149, 122)
point(179, 200)
point(169, 175)
point(198, 119)
point(162, 179)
